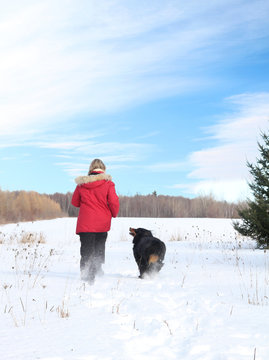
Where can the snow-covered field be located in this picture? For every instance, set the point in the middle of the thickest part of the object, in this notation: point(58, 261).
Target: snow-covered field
point(210, 301)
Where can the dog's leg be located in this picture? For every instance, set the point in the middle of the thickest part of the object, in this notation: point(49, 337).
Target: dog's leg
point(142, 268)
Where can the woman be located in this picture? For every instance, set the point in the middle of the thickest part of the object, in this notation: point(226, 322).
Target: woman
point(96, 197)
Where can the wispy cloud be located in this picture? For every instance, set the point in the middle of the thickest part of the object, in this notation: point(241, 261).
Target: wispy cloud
point(221, 169)
point(74, 169)
point(78, 154)
point(94, 56)
point(77, 150)
point(168, 166)
point(149, 135)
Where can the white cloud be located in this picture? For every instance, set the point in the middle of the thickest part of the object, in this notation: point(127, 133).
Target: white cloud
point(115, 154)
point(168, 166)
point(221, 169)
point(230, 190)
point(250, 116)
point(58, 59)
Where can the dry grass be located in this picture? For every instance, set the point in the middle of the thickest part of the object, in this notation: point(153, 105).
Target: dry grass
point(32, 238)
point(2, 237)
point(24, 237)
point(176, 237)
point(62, 311)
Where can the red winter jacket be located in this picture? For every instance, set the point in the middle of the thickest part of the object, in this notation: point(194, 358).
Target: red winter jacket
point(96, 197)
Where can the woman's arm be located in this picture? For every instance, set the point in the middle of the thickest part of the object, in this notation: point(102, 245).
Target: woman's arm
point(113, 200)
point(76, 198)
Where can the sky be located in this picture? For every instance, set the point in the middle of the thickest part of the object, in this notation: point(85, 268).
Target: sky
point(171, 95)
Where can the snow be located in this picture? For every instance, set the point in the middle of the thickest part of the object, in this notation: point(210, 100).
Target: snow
point(210, 300)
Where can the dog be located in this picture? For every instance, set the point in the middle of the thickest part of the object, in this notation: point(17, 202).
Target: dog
point(148, 251)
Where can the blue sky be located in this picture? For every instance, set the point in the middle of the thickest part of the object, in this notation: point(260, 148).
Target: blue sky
point(172, 95)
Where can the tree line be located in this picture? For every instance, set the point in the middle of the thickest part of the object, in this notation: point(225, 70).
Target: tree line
point(175, 206)
point(19, 206)
point(158, 206)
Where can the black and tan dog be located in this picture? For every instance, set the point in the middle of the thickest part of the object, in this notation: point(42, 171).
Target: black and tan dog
point(148, 251)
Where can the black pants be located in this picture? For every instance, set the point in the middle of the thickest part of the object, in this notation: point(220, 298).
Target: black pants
point(92, 251)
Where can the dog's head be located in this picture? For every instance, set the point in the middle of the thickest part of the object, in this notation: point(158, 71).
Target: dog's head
point(139, 231)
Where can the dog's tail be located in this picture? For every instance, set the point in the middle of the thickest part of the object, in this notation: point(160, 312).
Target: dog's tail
point(153, 259)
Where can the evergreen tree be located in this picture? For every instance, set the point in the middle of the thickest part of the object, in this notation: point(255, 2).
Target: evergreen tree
point(255, 217)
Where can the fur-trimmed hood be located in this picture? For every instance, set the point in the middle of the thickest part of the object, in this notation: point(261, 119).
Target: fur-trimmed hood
point(92, 178)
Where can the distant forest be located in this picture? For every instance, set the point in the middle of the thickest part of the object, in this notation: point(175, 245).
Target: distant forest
point(19, 206)
point(162, 206)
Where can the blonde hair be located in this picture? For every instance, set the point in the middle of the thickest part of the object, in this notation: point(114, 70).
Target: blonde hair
point(97, 164)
